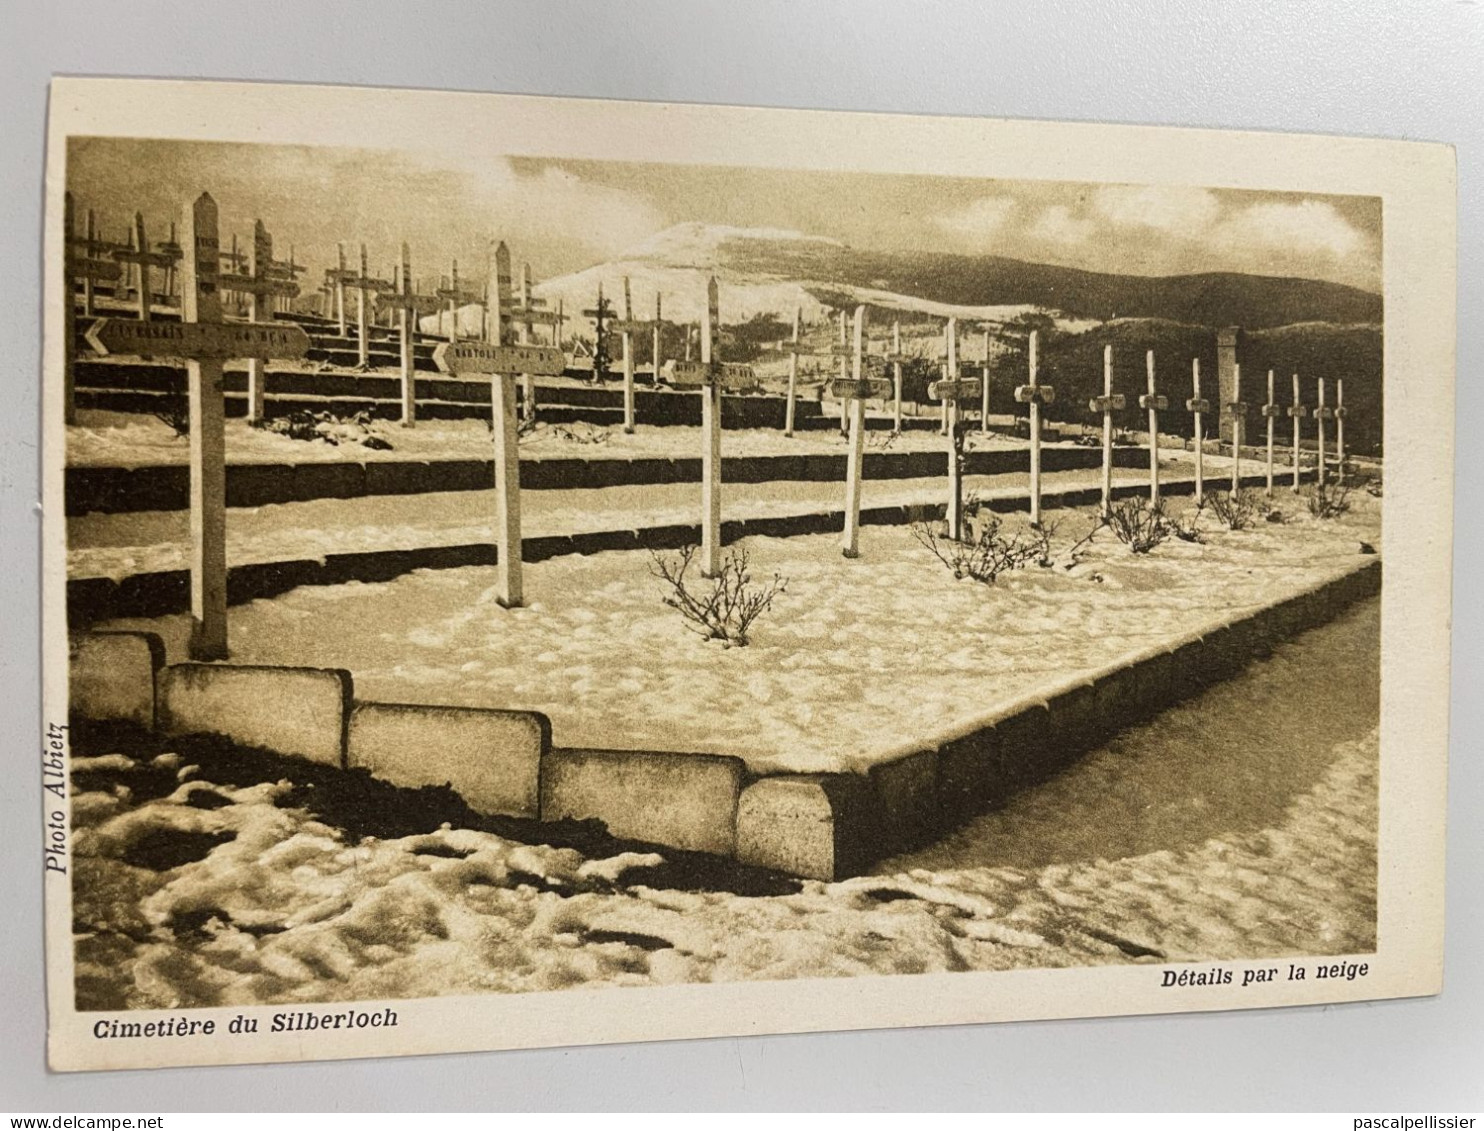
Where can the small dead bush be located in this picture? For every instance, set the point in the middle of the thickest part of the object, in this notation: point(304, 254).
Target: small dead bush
point(1187, 527)
point(721, 607)
point(1138, 525)
point(177, 417)
point(989, 551)
point(1329, 500)
point(1236, 510)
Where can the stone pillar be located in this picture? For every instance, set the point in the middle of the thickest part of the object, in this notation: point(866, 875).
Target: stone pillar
point(1228, 341)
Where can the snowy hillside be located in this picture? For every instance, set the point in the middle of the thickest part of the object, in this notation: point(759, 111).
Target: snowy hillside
point(760, 270)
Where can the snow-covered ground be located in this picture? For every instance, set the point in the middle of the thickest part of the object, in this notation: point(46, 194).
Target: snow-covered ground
point(856, 657)
point(117, 545)
point(190, 893)
point(116, 439)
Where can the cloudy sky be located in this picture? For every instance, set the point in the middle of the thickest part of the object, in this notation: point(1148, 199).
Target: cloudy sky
point(565, 215)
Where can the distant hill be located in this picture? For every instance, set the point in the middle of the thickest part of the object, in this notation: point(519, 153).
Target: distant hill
point(771, 271)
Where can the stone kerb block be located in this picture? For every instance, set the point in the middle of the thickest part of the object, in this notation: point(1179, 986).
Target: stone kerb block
point(490, 758)
point(686, 801)
point(298, 712)
point(818, 826)
point(111, 676)
point(906, 798)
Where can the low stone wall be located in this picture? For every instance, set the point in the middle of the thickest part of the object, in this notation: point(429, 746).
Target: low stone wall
point(820, 826)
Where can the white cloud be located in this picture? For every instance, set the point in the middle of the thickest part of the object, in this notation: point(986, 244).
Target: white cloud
point(979, 221)
point(1058, 225)
point(1176, 209)
point(1307, 227)
point(551, 204)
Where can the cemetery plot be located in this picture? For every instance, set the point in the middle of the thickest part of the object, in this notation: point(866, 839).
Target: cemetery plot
point(848, 662)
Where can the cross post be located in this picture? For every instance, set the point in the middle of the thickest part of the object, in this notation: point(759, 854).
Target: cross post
point(854, 391)
point(1035, 395)
point(895, 359)
point(710, 377)
point(503, 364)
point(1298, 411)
point(1322, 412)
point(142, 259)
point(204, 341)
point(601, 314)
point(1154, 404)
point(408, 305)
point(1271, 410)
point(1340, 428)
point(950, 390)
point(77, 257)
point(1198, 405)
point(266, 281)
point(1238, 410)
point(1107, 404)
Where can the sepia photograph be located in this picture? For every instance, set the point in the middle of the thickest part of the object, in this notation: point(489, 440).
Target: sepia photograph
point(532, 575)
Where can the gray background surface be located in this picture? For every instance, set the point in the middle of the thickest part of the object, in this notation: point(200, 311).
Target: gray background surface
point(1405, 70)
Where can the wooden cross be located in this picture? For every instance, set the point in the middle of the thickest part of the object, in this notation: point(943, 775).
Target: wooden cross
point(950, 390)
point(204, 341)
point(896, 358)
point(1340, 428)
point(711, 377)
point(1107, 404)
point(1297, 411)
point(628, 326)
point(455, 296)
point(142, 259)
point(601, 313)
point(1198, 405)
point(1155, 405)
point(502, 364)
point(262, 283)
point(337, 277)
point(984, 393)
point(1271, 410)
point(78, 261)
point(171, 249)
point(530, 314)
point(1322, 412)
point(1238, 410)
point(1035, 396)
point(364, 284)
point(83, 260)
point(793, 347)
point(408, 305)
point(854, 390)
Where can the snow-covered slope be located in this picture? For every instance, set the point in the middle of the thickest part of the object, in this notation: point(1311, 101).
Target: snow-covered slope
point(760, 271)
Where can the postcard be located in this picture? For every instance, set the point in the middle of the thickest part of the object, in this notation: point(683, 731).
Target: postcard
point(532, 571)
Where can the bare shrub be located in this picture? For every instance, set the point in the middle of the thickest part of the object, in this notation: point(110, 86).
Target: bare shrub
point(1329, 500)
point(1138, 525)
point(1187, 527)
point(724, 611)
point(990, 552)
point(1236, 510)
point(176, 416)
